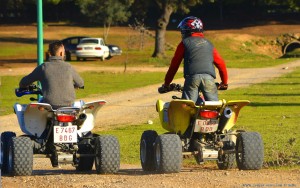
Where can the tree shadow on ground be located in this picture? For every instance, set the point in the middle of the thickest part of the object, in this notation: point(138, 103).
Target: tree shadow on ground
point(23, 40)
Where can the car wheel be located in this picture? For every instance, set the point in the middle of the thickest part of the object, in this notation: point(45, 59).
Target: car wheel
point(68, 56)
point(77, 58)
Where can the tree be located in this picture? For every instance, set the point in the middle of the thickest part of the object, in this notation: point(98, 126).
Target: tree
point(107, 12)
point(168, 7)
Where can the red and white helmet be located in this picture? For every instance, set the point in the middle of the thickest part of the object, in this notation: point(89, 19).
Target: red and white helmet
point(190, 25)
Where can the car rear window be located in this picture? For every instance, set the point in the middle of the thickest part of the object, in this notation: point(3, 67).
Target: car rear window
point(89, 41)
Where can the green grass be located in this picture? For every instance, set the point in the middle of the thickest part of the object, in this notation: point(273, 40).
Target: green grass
point(245, 57)
point(11, 50)
point(237, 54)
point(96, 84)
point(273, 112)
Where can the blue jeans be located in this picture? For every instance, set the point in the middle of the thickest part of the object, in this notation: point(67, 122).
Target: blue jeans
point(203, 83)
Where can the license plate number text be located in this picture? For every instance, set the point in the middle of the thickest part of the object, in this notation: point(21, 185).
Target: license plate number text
point(66, 134)
point(206, 126)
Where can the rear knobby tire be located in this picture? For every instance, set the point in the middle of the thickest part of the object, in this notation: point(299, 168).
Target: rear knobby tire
point(85, 163)
point(227, 161)
point(168, 153)
point(21, 153)
point(249, 151)
point(147, 155)
point(5, 137)
point(107, 154)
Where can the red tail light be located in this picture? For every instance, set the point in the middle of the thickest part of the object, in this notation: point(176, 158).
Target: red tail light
point(97, 48)
point(65, 118)
point(208, 114)
point(78, 48)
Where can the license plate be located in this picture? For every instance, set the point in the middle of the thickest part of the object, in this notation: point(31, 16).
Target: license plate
point(88, 48)
point(206, 125)
point(67, 134)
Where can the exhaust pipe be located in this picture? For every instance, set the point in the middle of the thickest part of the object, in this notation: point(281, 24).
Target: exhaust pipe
point(81, 118)
point(226, 115)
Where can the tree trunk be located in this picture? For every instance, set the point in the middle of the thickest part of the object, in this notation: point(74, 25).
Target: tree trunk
point(106, 27)
point(160, 32)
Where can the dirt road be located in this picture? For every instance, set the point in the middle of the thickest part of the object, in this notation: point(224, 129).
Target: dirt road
point(137, 106)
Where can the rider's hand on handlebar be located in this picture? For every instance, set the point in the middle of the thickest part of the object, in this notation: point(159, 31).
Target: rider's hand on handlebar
point(222, 86)
point(82, 87)
point(164, 89)
point(171, 87)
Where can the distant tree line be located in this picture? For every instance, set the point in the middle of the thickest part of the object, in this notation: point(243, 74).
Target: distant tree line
point(22, 11)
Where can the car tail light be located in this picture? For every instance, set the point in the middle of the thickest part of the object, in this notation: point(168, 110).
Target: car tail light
point(78, 48)
point(97, 48)
point(208, 114)
point(65, 118)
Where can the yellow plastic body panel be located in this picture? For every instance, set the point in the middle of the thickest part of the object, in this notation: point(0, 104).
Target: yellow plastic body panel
point(235, 106)
point(175, 116)
point(161, 111)
point(179, 114)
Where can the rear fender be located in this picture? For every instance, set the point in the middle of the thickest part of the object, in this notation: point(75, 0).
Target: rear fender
point(33, 117)
point(235, 106)
point(90, 109)
point(93, 107)
point(178, 112)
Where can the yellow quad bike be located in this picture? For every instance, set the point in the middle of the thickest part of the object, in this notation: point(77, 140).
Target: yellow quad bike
point(203, 131)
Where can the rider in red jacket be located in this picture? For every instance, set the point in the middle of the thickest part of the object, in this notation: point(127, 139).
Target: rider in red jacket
point(200, 59)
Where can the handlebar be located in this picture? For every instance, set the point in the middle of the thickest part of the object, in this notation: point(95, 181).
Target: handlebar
point(171, 87)
point(178, 87)
point(31, 89)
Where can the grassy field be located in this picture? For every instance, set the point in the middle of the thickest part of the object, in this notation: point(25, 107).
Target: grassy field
point(246, 48)
point(273, 112)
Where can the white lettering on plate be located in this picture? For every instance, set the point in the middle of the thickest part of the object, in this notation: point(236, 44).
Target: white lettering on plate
point(206, 126)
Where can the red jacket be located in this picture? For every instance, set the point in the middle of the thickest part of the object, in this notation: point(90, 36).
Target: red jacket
point(179, 54)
